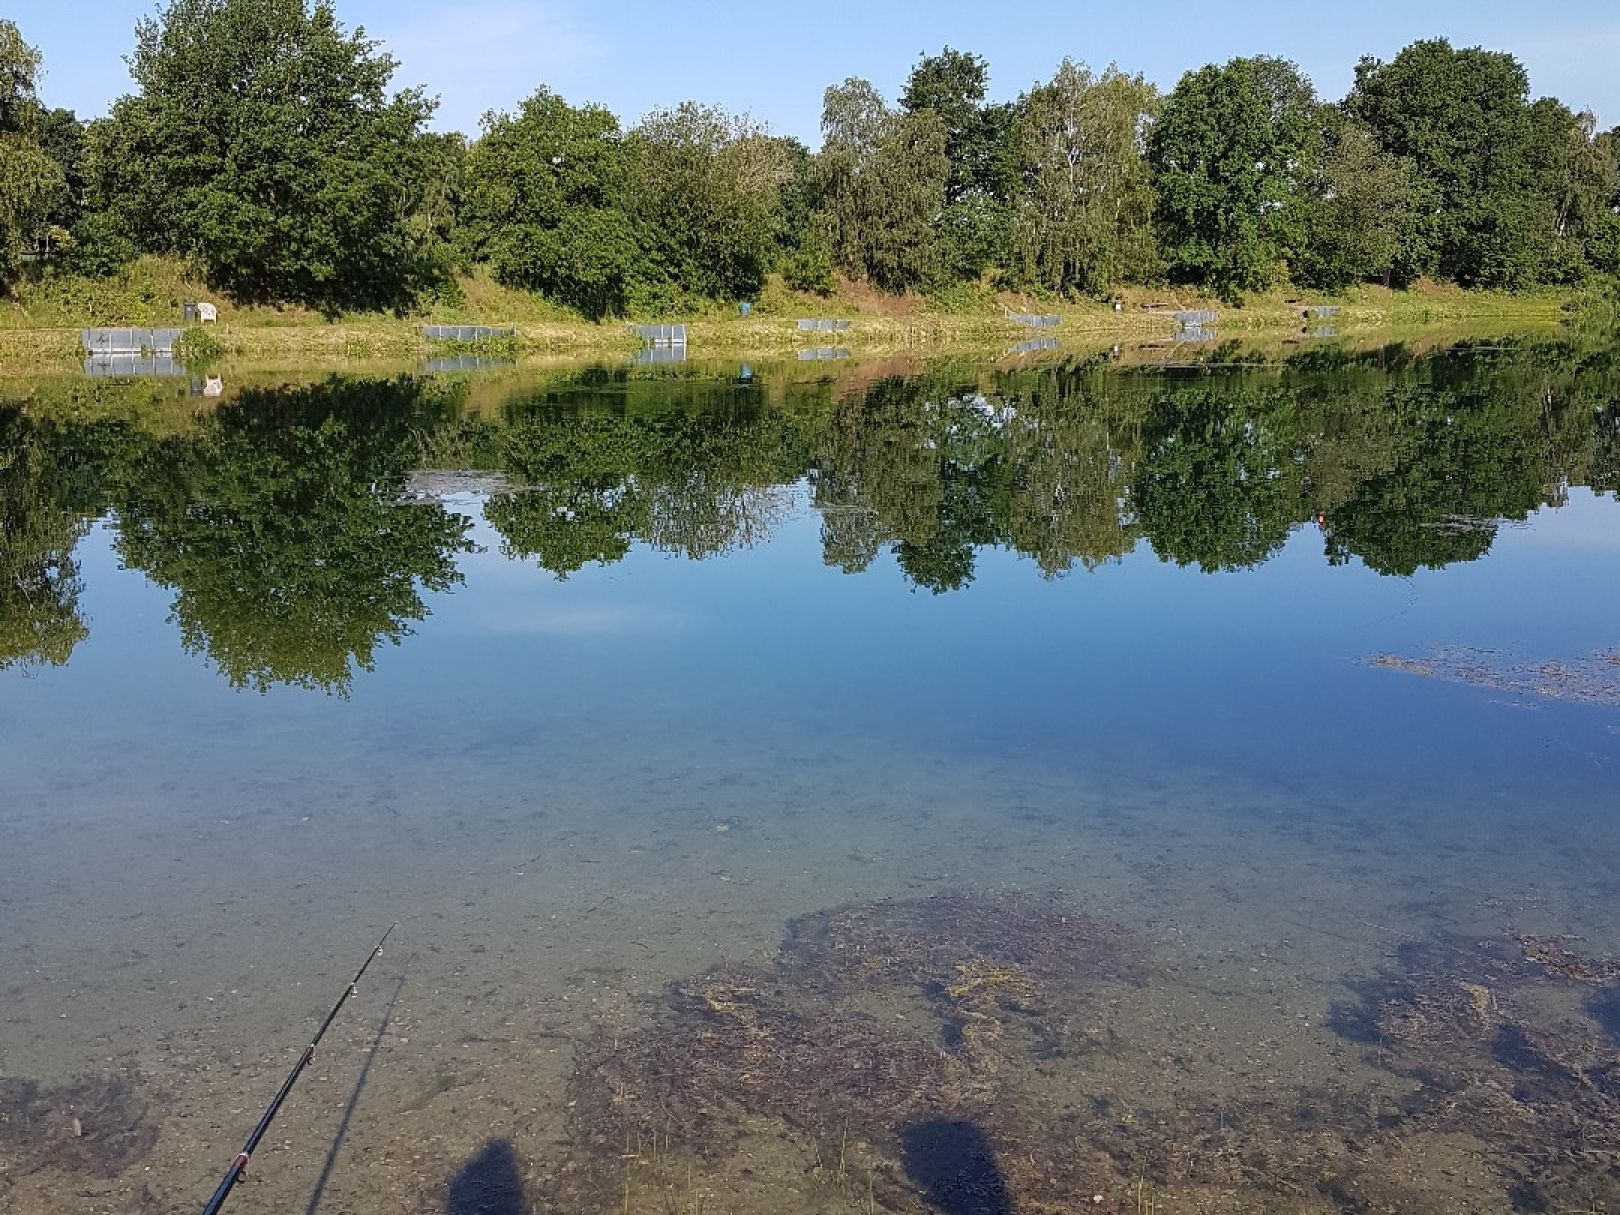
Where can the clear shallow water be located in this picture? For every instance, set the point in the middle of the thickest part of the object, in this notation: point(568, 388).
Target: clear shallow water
point(878, 641)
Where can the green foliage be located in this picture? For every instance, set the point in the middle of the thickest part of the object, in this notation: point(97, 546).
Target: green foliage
point(541, 202)
point(19, 80)
point(952, 85)
point(697, 476)
point(40, 622)
point(434, 162)
point(799, 198)
point(705, 188)
point(31, 181)
point(99, 246)
point(1603, 244)
point(281, 532)
point(1085, 219)
point(975, 236)
point(278, 524)
point(1503, 190)
point(1359, 215)
point(1601, 228)
point(810, 268)
point(61, 135)
point(264, 141)
point(1231, 154)
point(975, 223)
point(196, 348)
point(146, 291)
point(855, 122)
point(1216, 486)
point(1595, 308)
point(883, 179)
point(1462, 448)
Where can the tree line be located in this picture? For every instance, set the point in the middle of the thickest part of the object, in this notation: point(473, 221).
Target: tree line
point(268, 144)
point(281, 523)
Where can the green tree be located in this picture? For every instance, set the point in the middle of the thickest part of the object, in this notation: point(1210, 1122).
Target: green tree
point(263, 139)
point(975, 225)
point(542, 202)
point(1232, 153)
point(695, 472)
point(1576, 179)
point(883, 177)
point(952, 85)
point(1360, 212)
point(1461, 456)
point(31, 181)
point(800, 199)
point(435, 162)
point(707, 189)
point(1601, 230)
point(855, 121)
point(1463, 119)
point(1085, 220)
point(810, 267)
point(61, 135)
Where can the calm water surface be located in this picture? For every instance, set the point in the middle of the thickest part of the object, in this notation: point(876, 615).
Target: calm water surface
point(939, 787)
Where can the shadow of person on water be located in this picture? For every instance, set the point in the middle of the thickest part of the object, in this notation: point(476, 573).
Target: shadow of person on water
point(488, 1184)
point(955, 1167)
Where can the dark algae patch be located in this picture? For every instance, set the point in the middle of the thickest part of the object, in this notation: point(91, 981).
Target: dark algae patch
point(990, 1052)
point(955, 1167)
point(891, 1032)
point(1501, 1042)
point(93, 1128)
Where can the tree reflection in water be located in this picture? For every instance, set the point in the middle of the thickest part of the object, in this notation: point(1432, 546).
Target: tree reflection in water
point(279, 519)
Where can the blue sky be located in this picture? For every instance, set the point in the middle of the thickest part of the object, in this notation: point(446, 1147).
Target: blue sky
point(773, 60)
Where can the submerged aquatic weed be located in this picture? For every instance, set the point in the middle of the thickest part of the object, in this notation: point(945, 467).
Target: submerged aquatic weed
point(872, 1018)
point(1471, 1023)
point(880, 1031)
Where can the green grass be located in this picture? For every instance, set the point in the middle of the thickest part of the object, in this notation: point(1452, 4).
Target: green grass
point(38, 323)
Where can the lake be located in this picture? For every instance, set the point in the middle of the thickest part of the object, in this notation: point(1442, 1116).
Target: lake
point(1091, 784)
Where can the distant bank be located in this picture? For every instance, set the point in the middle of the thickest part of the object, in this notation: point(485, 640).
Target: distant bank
point(40, 328)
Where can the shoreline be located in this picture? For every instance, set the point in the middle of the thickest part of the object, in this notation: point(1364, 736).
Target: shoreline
point(893, 326)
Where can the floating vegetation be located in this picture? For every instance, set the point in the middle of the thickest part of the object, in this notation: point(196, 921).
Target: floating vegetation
point(1461, 525)
point(444, 485)
point(93, 1127)
point(1594, 679)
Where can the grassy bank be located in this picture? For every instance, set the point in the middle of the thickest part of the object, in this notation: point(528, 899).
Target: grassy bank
point(39, 325)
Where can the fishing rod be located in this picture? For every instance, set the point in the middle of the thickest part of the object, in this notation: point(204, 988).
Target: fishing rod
point(239, 1165)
